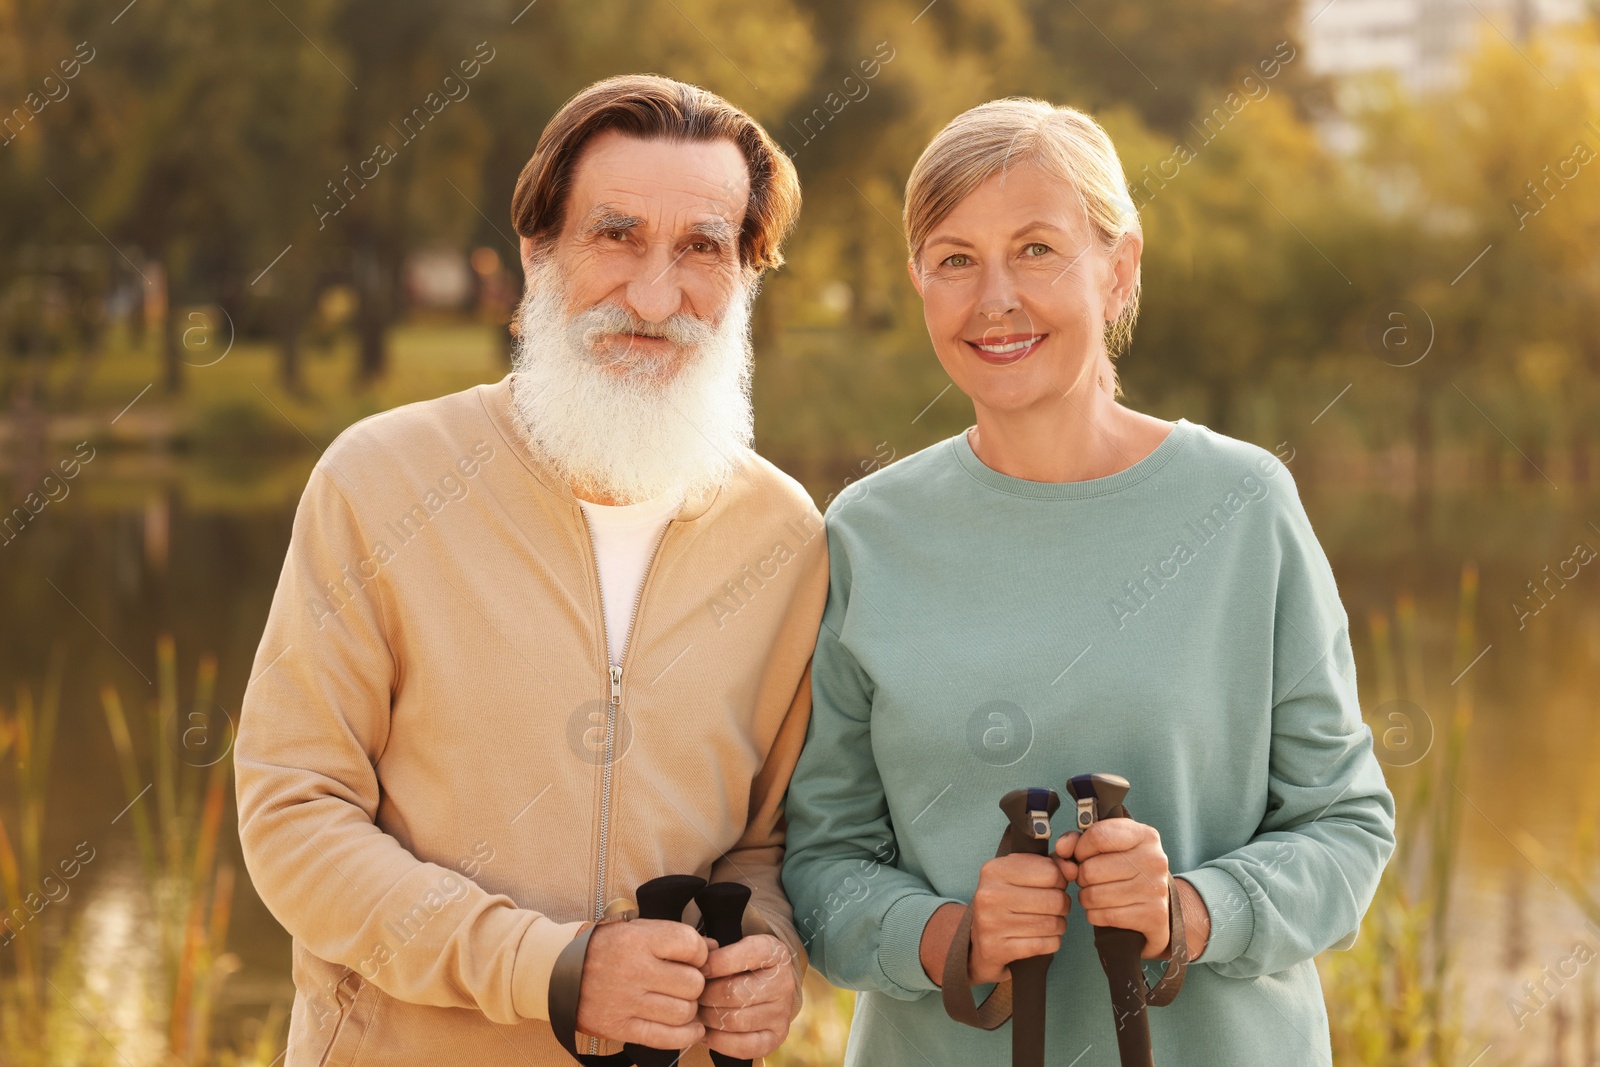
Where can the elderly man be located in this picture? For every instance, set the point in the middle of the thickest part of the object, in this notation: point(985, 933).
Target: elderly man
point(539, 642)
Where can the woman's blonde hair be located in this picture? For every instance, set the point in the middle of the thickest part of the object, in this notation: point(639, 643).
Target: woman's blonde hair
point(1063, 141)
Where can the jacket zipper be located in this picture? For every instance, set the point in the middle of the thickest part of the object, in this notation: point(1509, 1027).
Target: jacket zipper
point(613, 706)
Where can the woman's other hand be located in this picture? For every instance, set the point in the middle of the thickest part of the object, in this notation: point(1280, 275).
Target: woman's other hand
point(1019, 910)
point(1121, 871)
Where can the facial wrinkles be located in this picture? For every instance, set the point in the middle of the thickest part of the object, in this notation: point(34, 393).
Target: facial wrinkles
point(690, 205)
point(663, 276)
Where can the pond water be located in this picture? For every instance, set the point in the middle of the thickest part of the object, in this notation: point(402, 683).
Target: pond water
point(149, 544)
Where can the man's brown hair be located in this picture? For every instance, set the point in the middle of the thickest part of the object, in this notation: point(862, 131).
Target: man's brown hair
point(650, 106)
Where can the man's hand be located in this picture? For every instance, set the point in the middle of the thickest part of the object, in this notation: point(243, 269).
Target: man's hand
point(1121, 871)
point(642, 983)
point(749, 990)
point(1019, 911)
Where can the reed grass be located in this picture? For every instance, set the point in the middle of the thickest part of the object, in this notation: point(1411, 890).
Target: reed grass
point(1394, 997)
point(177, 786)
point(27, 739)
point(1576, 872)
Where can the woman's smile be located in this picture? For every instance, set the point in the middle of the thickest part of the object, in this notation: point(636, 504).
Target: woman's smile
point(1006, 349)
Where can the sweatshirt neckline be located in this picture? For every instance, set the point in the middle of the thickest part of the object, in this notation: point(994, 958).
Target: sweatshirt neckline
point(1182, 430)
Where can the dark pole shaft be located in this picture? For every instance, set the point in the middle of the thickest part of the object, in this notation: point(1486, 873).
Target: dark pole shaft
point(1119, 951)
point(1101, 796)
point(1028, 990)
point(1030, 811)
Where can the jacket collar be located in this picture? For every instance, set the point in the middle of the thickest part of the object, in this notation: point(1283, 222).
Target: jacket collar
point(497, 404)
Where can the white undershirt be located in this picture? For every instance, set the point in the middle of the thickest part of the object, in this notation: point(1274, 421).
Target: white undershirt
point(624, 539)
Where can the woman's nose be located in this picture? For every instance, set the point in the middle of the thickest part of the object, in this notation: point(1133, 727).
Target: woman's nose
point(999, 297)
point(997, 308)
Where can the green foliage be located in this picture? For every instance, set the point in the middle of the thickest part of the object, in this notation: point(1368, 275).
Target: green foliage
point(209, 142)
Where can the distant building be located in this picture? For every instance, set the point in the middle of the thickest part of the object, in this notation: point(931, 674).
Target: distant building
point(1421, 41)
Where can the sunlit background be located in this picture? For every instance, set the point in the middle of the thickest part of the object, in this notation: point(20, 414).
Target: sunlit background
point(1372, 246)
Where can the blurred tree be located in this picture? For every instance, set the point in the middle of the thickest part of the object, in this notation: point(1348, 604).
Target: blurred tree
point(153, 162)
point(1253, 255)
point(1167, 59)
point(281, 145)
point(394, 55)
point(1497, 192)
point(232, 155)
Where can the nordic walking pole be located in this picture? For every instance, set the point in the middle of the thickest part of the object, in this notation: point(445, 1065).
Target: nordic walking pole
point(722, 907)
point(1100, 796)
point(1029, 811)
point(663, 898)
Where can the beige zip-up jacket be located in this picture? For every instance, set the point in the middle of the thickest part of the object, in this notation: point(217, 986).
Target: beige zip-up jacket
point(425, 798)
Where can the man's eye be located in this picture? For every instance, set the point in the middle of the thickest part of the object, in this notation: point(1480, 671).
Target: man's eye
point(1037, 248)
point(615, 235)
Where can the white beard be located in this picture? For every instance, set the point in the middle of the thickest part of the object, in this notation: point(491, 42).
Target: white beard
point(630, 435)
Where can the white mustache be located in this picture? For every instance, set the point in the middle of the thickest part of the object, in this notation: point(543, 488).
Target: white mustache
point(604, 321)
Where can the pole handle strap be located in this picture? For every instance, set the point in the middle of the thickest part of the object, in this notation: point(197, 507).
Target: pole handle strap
point(957, 991)
point(566, 978)
point(1166, 989)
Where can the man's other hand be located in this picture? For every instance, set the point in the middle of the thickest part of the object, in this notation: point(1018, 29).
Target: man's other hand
point(749, 990)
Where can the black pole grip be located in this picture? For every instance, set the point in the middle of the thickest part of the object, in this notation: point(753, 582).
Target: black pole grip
point(1029, 811)
point(663, 898)
point(722, 907)
point(667, 896)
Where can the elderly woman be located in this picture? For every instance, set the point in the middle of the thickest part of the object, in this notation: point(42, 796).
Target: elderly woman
point(1071, 587)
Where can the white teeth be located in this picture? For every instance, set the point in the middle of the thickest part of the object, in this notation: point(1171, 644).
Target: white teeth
point(1014, 346)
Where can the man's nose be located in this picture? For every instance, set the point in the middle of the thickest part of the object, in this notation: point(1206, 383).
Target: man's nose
point(654, 292)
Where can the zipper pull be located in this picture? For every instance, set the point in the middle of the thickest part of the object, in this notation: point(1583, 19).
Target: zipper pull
point(616, 684)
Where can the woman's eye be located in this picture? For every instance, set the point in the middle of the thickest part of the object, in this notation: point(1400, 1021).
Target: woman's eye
point(1037, 248)
point(960, 259)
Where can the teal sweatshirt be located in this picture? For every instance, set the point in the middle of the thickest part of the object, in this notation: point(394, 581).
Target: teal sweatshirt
point(1176, 623)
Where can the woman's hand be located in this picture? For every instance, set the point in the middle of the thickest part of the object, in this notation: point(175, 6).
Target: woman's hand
point(1121, 871)
point(1019, 910)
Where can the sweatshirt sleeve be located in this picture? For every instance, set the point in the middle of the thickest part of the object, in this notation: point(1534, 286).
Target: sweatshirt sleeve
point(314, 722)
point(859, 913)
point(1304, 881)
point(757, 859)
